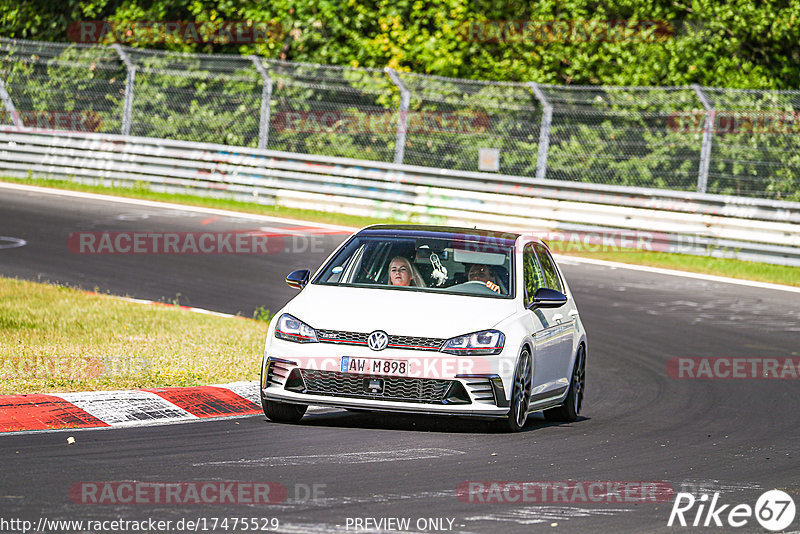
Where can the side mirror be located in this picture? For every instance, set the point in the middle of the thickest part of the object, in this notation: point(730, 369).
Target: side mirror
point(547, 298)
point(298, 279)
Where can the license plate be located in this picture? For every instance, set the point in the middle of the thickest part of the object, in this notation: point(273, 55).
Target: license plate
point(374, 366)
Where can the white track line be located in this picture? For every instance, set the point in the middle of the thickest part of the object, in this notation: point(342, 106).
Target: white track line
point(168, 305)
point(658, 270)
point(169, 205)
point(252, 216)
point(366, 457)
point(532, 515)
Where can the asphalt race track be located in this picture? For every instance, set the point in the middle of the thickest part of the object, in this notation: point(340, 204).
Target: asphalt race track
point(222, 282)
point(738, 437)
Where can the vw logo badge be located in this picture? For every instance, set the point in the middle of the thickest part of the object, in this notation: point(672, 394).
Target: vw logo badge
point(378, 340)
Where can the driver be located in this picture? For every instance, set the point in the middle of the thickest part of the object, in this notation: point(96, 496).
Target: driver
point(479, 272)
point(403, 273)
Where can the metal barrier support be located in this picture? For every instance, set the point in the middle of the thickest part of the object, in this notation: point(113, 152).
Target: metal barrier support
point(402, 116)
point(9, 104)
point(266, 98)
point(544, 131)
point(708, 130)
point(127, 109)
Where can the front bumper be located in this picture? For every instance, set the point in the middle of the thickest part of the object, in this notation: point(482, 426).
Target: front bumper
point(472, 395)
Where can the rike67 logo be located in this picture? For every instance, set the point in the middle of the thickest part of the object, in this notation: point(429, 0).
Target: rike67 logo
point(774, 510)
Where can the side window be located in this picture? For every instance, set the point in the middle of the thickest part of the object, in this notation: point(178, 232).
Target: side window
point(376, 260)
point(534, 278)
point(352, 265)
point(549, 268)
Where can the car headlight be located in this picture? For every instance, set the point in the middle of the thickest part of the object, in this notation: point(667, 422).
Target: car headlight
point(293, 329)
point(477, 344)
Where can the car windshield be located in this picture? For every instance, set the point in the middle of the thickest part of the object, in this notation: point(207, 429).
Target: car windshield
point(473, 265)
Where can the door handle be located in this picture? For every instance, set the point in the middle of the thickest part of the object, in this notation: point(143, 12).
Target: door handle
point(573, 313)
point(558, 317)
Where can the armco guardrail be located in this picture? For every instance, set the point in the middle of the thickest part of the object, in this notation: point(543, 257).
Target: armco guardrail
point(590, 214)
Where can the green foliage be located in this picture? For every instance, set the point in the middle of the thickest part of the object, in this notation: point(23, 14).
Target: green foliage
point(262, 314)
point(740, 43)
point(605, 135)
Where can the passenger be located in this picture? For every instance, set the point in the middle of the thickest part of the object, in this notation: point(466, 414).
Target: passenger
point(479, 272)
point(403, 273)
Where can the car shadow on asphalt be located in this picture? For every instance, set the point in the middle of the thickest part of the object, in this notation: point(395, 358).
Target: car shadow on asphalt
point(421, 423)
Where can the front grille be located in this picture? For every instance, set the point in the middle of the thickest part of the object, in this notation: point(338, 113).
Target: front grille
point(399, 389)
point(419, 343)
point(276, 373)
point(341, 337)
point(398, 342)
point(481, 389)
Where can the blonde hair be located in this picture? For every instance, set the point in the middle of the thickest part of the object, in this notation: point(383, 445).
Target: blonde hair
point(416, 277)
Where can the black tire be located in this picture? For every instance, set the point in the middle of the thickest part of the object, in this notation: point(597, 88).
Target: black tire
point(571, 409)
point(520, 394)
point(281, 412)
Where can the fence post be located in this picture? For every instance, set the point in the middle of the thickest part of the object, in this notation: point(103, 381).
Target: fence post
point(266, 98)
point(127, 109)
point(402, 117)
point(708, 129)
point(9, 104)
point(544, 131)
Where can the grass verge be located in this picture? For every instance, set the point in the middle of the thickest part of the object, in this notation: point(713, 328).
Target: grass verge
point(58, 339)
point(762, 272)
point(218, 203)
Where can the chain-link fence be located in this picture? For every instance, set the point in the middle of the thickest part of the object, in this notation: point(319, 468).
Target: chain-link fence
point(333, 111)
point(207, 98)
point(450, 120)
point(623, 135)
point(725, 141)
point(51, 85)
point(755, 146)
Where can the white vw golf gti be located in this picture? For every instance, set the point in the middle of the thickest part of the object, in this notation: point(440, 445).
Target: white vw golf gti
point(429, 320)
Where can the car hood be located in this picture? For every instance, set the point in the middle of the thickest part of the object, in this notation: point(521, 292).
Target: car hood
point(397, 312)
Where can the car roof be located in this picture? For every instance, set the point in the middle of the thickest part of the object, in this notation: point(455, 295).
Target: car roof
point(443, 232)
